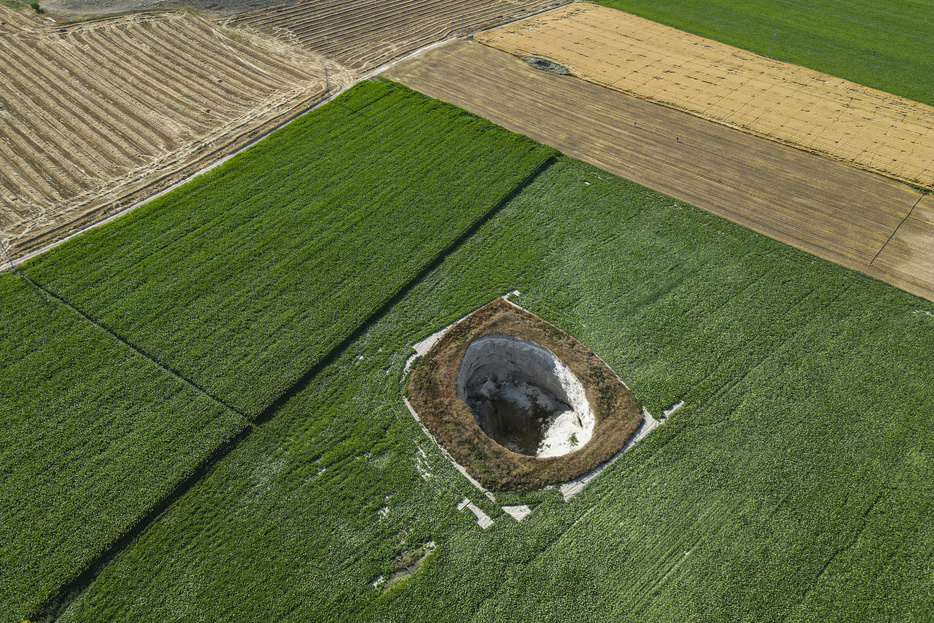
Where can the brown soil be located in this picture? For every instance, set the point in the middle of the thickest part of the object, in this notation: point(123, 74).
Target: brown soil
point(791, 104)
point(825, 207)
point(907, 259)
point(363, 35)
point(97, 115)
point(433, 394)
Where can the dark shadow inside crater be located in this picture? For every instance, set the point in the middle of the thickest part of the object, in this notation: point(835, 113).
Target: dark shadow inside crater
point(523, 397)
point(514, 410)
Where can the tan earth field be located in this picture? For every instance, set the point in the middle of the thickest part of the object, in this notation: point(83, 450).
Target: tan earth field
point(867, 222)
point(783, 102)
point(96, 115)
point(365, 34)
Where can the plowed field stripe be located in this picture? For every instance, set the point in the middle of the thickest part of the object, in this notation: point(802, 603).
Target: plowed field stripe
point(787, 103)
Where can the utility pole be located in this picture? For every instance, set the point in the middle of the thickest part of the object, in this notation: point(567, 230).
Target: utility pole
point(771, 45)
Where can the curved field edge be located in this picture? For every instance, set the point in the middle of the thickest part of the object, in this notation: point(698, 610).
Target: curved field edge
point(795, 479)
point(883, 46)
point(98, 115)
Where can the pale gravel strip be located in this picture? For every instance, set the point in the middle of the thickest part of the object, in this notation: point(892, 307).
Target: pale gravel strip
point(482, 518)
point(573, 487)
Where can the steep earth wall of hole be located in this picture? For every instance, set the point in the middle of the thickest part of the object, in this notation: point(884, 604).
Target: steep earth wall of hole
point(524, 397)
point(518, 402)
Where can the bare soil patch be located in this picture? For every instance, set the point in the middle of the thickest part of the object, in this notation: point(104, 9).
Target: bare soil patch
point(98, 115)
point(871, 129)
point(363, 35)
point(823, 206)
point(907, 259)
point(433, 392)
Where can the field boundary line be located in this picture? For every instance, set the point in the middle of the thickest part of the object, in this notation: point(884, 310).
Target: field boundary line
point(47, 247)
point(61, 599)
point(391, 302)
point(100, 325)
point(895, 231)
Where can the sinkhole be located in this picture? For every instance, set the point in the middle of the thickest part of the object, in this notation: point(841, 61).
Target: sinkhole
point(517, 402)
point(523, 397)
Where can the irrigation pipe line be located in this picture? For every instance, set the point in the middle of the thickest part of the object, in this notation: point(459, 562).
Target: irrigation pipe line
point(13, 263)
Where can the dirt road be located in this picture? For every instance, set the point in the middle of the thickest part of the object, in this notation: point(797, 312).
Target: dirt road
point(828, 208)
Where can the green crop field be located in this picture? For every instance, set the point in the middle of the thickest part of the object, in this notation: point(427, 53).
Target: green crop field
point(795, 484)
point(159, 338)
point(243, 279)
point(885, 45)
point(94, 436)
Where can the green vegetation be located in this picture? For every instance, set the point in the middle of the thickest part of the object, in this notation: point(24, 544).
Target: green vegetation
point(95, 435)
point(245, 278)
point(884, 45)
point(16, 6)
point(229, 291)
point(795, 482)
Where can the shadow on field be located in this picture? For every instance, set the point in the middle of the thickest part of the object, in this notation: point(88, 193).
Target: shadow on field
point(58, 602)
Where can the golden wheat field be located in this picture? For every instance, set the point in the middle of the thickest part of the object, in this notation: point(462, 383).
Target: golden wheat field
point(783, 102)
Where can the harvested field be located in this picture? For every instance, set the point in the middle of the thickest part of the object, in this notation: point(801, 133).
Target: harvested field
point(366, 34)
point(215, 8)
point(908, 258)
point(95, 115)
point(787, 103)
point(825, 207)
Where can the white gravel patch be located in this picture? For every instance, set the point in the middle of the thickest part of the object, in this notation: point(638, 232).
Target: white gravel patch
point(482, 518)
point(518, 512)
point(573, 487)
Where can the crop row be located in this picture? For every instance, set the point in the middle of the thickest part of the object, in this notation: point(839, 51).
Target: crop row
point(94, 435)
point(802, 445)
